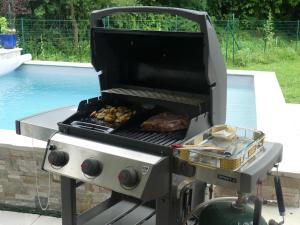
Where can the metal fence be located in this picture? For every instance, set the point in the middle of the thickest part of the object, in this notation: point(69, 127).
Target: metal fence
point(242, 41)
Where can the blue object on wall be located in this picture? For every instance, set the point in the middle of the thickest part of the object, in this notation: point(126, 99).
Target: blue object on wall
point(8, 41)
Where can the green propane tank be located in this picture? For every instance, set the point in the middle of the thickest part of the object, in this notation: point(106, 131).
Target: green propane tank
point(223, 213)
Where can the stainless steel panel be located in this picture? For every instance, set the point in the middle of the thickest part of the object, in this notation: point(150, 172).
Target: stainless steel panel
point(41, 126)
point(153, 170)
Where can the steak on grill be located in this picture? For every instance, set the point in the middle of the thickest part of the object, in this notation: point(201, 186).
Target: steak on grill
point(165, 122)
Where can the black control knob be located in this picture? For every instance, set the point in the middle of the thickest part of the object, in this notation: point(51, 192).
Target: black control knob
point(91, 167)
point(128, 177)
point(58, 158)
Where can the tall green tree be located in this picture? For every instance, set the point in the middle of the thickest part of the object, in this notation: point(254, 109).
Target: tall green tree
point(191, 4)
point(72, 10)
point(17, 7)
point(258, 9)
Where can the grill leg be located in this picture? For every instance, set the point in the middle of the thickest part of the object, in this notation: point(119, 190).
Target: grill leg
point(163, 211)
point(198, 193)
point(68, 200)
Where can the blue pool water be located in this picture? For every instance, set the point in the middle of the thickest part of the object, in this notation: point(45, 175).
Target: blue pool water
point(32, 89)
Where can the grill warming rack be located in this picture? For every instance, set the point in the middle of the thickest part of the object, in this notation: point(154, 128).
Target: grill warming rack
point(158, 94)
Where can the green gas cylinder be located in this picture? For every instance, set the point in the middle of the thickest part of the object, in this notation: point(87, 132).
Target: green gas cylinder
point(224, 213)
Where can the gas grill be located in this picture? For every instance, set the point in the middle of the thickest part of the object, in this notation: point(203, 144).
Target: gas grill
point(179, 72)
point(152, 72)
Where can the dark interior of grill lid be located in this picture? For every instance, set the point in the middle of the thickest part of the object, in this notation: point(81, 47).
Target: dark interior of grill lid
point(157, 61)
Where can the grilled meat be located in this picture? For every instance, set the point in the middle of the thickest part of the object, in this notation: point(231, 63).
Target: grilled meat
point(165, 122)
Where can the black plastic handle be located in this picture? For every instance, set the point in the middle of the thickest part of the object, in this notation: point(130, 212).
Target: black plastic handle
point(279, 195)
point(192, 15)
point(257, 211)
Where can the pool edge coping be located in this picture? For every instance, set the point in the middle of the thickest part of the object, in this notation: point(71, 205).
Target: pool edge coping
point(61, 64)
point(264, 81)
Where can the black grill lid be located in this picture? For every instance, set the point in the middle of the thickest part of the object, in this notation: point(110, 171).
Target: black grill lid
point(184, 62)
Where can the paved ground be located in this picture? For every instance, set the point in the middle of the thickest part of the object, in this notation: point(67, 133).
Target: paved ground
point(287, 132)
point(292, 215)
point(13, 218)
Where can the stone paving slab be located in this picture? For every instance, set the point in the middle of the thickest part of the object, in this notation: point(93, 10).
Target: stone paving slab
point(289, 136)
point(14, 218)
point(292, 215)
point(47, 220)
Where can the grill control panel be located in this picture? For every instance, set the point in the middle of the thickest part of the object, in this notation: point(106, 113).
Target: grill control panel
point(129, 172)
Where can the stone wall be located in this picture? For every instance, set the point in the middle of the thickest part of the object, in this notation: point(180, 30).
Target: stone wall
point(18, 181)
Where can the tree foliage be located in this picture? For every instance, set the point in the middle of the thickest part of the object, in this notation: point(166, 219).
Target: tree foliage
point(17, 7)
point(220, 9)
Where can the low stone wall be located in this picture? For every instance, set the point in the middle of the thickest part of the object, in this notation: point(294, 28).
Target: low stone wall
point(18, 182)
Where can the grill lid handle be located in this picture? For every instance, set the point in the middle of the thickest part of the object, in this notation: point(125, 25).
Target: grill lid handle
point(192, 15)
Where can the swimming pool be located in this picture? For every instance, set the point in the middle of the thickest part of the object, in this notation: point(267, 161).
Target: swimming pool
point(35, 88)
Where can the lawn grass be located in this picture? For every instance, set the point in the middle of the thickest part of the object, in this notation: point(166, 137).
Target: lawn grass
point(288, 75)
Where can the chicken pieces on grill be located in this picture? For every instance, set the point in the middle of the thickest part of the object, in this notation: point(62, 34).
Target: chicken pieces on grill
point(112, 114)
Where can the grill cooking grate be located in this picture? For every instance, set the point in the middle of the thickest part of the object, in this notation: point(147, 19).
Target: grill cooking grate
point(164, 139)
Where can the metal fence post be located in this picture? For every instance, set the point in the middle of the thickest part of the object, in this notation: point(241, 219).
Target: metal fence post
point(233, 39)
point(227, 39)
point(297, 37)
point(22, 32)
point(79, 44)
